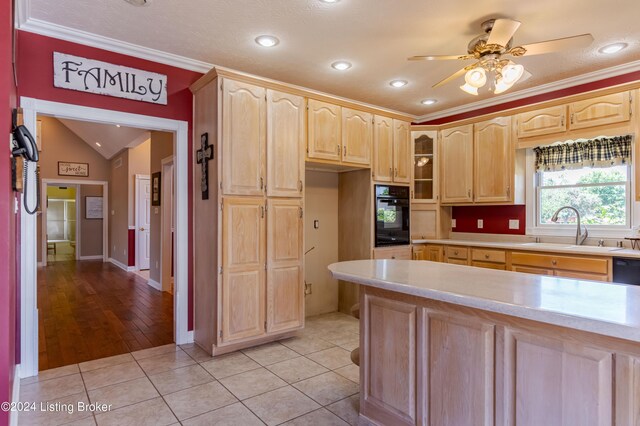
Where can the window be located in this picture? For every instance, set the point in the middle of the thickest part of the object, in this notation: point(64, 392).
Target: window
point(601, 195)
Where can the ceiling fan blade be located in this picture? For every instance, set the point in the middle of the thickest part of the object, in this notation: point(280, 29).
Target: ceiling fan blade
point(439, 57)
point(549, 46)
point(502, 31)
point(451, 77)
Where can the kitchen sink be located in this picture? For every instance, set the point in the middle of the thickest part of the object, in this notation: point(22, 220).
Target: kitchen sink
point(593, 249)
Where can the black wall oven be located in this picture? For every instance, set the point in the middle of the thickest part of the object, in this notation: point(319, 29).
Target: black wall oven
point(392, 215)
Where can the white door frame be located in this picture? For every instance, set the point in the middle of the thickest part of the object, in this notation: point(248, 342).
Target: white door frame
point(28, 223)
point(77, 183)
point(136, 217)
point(166, 207)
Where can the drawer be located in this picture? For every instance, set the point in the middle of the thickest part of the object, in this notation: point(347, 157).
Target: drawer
point(483, 255)
point(490, 265)
point(398, 253)
point(457, 262)
point(581, 275)
point(568, 263)
point(455, 252)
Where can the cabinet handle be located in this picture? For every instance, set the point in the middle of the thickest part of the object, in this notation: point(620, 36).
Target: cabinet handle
point(468, 193)
point(300, 185)
point(338, 149)
point(562, 121)
point(393, 257)
point(390, 172)
point(396, 172)
point(301, 212)
point(261, 183)
point(412, 194)
point(508, 191)
point(262, 212)
point(571, 118)
point(344, 150)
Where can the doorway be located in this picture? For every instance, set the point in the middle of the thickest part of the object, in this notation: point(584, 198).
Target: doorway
point(143, 223)
point(29, 272)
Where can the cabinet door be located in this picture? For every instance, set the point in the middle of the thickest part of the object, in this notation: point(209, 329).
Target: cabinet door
point(493, 161)
point(383, 149)
point(285, 144)
point(425, 221)
point(435, 253)
point(285, 280)
point(401, 152)
point(419, 252)
point(357, 132)
point(244, 124)
point(243, 269)
point(456, 164)
point(425, 167)
point(325, 131)
point(599, 111)
point(544, 121)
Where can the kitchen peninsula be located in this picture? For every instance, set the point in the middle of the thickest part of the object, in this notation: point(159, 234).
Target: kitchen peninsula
point(449, 344)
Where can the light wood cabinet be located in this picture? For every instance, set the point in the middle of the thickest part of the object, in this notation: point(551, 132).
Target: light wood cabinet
point(401, 152)
point(493, 161)
point(244, 121)
point(243, 269)
point(395, 252)
point(429, 221)
point(357, 133)
point(324, 131)
point(609, 109)
point(432, 253)
point(383, 149)
point(424, 163)
point(531, 270)
point(285, 279)
point(456, 164)
point(456, 252)
point(285, 144)
point(543, 121)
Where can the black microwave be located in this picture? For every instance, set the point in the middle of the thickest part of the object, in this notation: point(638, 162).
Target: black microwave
point(392, 215)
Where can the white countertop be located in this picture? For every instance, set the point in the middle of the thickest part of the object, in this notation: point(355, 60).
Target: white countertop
point(602, 308)
point(546, 247)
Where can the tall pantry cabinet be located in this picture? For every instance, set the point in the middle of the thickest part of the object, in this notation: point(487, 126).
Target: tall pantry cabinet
point(248, 254)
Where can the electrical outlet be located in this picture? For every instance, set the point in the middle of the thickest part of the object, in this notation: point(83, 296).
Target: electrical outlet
point(453, 223)
point(480, 223)
point(155, 210)
point(514, 224)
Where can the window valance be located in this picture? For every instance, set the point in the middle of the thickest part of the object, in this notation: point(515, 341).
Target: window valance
point(599, 152)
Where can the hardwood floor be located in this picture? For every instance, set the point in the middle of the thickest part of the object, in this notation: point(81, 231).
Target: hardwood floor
point(90, 310)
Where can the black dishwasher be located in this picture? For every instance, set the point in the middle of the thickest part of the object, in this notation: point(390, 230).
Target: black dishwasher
point(626, 271)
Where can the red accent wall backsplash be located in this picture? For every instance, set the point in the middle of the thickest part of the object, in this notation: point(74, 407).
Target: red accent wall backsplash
point(495, 218)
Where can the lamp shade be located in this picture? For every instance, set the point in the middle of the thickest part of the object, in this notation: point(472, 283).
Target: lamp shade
point(512, 73)
point(476, 77)
point(469, 89)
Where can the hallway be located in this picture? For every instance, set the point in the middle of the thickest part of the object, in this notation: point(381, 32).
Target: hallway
point(90, 310)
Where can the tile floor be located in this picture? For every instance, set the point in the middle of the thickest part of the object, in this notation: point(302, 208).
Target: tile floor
point(305, 380)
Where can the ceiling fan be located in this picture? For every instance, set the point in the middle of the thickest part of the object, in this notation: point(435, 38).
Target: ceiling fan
point(490, 49)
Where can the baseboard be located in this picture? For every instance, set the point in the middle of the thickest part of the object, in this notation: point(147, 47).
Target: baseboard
point(190, 336)
point(121, 265)
point(155, 284)
point(40, 264)
point(15, 396)
point(96, 257)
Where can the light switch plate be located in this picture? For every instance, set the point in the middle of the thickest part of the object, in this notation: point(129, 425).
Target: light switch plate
point(514, 224)
point(480, 223)
point(453, 223)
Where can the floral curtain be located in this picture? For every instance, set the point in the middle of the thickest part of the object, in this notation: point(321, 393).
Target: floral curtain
point(600, 152)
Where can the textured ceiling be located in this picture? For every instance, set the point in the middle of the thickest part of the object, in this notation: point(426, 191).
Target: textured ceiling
point(375, 35)
point(112, 139)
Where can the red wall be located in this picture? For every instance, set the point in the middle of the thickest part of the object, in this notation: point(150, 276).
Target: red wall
point(495, 219)
point(8, 249)
point(35, 80)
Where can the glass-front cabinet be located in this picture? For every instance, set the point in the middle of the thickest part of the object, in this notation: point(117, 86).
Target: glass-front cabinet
point(425, 166)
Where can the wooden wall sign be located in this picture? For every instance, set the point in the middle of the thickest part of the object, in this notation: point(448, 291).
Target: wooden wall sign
point(87, 75)
point(73, 169)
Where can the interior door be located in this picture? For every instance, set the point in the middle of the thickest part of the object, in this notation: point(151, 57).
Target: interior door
point(493, 168)
point(401, 151)
point(285, 279)
point(143, 209)
point(243, 270)
point(357, 132)
point(456, 164)
point(383, 149)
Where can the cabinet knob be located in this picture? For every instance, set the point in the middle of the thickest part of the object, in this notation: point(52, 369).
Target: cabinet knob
point(393, 257)
point(455, 252)
point(554, 262)
point(486, 256)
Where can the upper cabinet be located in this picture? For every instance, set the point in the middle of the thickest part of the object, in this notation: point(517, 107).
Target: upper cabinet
point(599, 111)
point(324, 131)
point(594, 112)
point(383, 149)
point(493, 160)
point(425, 167)
point(456, 164)
point(244, 121)
point(357, 132)
point(401, 151)
point(285, 144)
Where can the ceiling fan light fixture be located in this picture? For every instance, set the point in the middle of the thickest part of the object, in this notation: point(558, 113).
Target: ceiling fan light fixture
point(476, 77)
point(511, 73)
point(501, 86)
point(472, 90)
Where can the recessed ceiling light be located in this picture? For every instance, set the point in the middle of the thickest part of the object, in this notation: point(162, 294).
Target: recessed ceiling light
point(398, 83)
point(98, 143)
point(612, 48)
point(428, 101)
point(267, 40)
point(117, 125)
point(341, 65)
point(329, 1)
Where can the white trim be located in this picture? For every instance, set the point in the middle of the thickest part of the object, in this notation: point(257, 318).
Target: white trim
point(122, 265)
point(136, 227)
point(49, 29)
point(28, 224)
point(15, 396)
point(165, 282)
point(155, 284)
point(96, 257)
point(537, 90)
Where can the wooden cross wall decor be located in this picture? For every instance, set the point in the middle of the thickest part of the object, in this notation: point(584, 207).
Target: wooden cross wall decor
point(203, 156)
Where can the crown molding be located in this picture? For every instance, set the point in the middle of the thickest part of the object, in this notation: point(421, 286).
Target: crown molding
point(48, 29)
point(538, 90)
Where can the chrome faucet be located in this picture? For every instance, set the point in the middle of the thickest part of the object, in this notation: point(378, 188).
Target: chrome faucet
point(580, 236)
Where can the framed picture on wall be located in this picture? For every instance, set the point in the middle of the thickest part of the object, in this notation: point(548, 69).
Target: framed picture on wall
point(155, 188)
point(93, 207)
